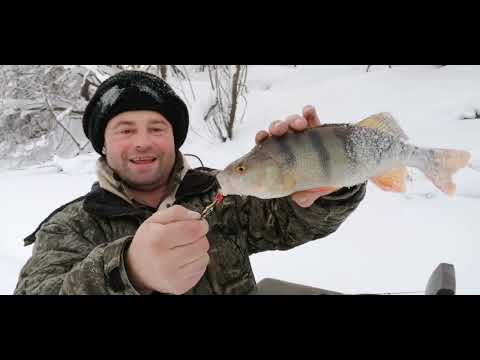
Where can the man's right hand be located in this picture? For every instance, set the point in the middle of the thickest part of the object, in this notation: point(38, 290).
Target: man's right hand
point(169, 252)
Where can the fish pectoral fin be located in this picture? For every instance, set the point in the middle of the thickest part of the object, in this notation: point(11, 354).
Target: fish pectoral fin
point(323, 190)
point(289, 181)
point(393, 180)
point(384, 122)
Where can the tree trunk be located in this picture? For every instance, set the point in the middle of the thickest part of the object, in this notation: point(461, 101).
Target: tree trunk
point(163, 71)
point(233, 109)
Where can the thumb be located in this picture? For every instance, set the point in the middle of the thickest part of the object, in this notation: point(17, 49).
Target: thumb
point(173, 214)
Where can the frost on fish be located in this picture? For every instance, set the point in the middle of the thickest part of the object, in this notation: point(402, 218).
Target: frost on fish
point(372, 152)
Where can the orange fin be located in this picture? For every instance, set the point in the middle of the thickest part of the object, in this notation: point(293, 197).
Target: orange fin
point(446, 162)
point(289, 181)
point(323, 190)
point(393, 180)
point(384, 122)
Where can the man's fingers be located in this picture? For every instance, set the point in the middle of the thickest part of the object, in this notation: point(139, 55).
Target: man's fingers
point(310, 114)
point(273, 125)
point(173, 214)
point(191, 252)
point(176, 234)
point(291, 123)
point(261, 136)
point(195, 277)
point(296, 122)
point(278, 128)
point(183, 233)
point(195, 267)
point(305, 198)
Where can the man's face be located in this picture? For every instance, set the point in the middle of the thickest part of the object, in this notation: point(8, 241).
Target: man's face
point(140, 148)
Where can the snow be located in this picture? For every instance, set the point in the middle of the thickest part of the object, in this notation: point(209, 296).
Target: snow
point(110, 96)
point(391, 243)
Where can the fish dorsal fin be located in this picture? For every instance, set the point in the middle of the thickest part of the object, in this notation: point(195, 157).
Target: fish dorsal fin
point(384, 122)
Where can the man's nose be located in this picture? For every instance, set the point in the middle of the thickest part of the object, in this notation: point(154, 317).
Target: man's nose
point(142, 140)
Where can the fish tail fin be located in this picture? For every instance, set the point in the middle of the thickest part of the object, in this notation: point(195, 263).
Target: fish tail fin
point(475, 167)
point(443, 165)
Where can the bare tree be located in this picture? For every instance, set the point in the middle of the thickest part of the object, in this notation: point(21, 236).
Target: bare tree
point(58, 120)
point(163, 71)
point(32, 98)
point(42, 105)
point(229, 85)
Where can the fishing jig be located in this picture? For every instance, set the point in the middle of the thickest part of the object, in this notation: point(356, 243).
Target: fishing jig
point(209, 209)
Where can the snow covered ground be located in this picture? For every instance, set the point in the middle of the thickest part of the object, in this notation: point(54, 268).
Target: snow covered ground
point(392, 242)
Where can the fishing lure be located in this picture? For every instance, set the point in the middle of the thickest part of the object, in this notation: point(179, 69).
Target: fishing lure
point(210, 208)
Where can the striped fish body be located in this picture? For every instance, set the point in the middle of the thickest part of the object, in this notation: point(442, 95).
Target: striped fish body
point(335, 156)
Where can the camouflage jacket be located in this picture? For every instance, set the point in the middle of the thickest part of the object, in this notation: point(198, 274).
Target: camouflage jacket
point(80, 247)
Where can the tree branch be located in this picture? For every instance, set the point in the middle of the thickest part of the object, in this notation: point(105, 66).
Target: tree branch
point(60, 123)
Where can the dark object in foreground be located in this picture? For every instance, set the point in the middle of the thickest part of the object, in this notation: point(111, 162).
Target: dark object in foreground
point(278, 287)
point(441, 282)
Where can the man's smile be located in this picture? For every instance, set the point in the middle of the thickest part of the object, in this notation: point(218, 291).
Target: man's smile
point(142, 160)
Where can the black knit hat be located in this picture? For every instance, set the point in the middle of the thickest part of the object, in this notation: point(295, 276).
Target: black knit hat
point(129, 91)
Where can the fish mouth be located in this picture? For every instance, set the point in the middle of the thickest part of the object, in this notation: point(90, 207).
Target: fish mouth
point(223, 182)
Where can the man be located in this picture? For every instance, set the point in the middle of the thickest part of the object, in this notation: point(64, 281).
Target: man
point(139, 230)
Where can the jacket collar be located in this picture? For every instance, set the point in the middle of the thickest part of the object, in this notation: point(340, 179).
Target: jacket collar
point(104, 203)
point(110, 181)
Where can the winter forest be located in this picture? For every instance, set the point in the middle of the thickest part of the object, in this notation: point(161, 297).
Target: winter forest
point(42, 105)
point(391, 244)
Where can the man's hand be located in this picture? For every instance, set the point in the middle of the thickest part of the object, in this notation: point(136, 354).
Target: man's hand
point(169, 252)
point(294, 123)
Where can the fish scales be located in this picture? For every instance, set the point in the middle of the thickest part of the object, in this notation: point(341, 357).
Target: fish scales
point(331, 156)
point(337, 154)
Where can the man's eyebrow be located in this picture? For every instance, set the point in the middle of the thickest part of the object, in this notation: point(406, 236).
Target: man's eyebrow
point(157, 122)
point(132, 123)
point(123, 122)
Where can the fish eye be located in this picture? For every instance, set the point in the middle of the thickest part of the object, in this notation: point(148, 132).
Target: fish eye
point(241, 168)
